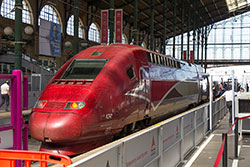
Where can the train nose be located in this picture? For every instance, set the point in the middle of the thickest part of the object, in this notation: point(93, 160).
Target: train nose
point(55, 127)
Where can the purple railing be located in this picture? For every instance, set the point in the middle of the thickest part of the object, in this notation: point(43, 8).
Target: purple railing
point(19, 101)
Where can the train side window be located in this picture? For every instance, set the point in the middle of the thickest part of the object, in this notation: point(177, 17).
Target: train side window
point(172, 63)
point(152, 57)
point(130, 73)
point(178, 65)
point(156, 60)
point(159, 59)
point(175, 64)
point(162, 61)
point(149, 57)
point(167, 61)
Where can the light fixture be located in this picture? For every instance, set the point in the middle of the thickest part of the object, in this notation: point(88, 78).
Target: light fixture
point(67, 44)
point(84, 44)
point(28, 30)
point(8, 31)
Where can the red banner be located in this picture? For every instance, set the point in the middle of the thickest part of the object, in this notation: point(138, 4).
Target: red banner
point(118, 25)
point(192, 56)
point(104, 25)
point(184, 55)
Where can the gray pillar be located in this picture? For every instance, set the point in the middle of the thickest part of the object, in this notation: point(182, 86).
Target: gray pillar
point(232, 46)
point(202, 45)
point(241, 26)
point(215, 46)
point(194, 35)
point(165, 25)
point(111, 20)
point(223, 41)
point(152, 25)
point(188, 33)
point(135, 31)
point(76, 27)
point(174, 32)
point(198, 46)
point(18, 34)
point(206, 35)
point(182, 26)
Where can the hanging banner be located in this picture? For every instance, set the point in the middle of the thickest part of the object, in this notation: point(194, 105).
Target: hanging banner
point(104, 25)
point(191, 56)
point(118, 25)
point(49, 39)
point(184, 55)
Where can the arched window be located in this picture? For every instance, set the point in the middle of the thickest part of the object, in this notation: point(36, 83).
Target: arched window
point(70, 27)
point(93, 34)
point(48, 13)
point(8, 11)
point(143, 44)
point(124, 39)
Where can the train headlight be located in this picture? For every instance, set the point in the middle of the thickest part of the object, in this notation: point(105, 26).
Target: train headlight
point(40, 104)
point(75, 105)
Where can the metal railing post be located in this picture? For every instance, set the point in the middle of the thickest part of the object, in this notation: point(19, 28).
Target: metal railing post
point(210, 103)
point(236, 138)
point(160, 146)
point(224, 157)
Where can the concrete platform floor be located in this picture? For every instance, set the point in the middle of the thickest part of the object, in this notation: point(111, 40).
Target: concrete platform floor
point(206, 153)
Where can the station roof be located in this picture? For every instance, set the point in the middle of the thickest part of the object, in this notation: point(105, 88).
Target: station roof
point(203, 12)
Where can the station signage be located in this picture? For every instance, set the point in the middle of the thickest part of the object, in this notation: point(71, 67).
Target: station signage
point(118, 25)
point(104, 26)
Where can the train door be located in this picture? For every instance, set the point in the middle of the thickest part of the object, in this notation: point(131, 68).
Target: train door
point(145, 93)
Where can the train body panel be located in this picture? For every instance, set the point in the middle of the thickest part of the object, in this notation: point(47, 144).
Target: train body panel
point(108, 90)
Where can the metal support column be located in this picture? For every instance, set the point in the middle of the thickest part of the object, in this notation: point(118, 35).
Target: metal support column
point(135, 34)
point(194, 35)
point(111, 20)
point(174, 32)
point(76, 27)
point(198, 46)
point(206, 34)
point(202, 45)
point(223, 40)
point(232, 46)
point(152, 25)
point(18, 34)
point(241, 33)
point(188, 33)
point(165, 25)
point(182, 26)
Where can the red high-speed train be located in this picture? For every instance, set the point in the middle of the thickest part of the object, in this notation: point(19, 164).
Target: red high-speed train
point(109, 91)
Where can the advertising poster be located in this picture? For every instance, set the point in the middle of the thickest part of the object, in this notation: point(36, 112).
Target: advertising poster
point(104, 26)
point(192, 57)
point(184, 55)
point(118, 25)
point(49, 39)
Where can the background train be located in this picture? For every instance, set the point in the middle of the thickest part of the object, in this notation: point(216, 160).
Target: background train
point(109, 91)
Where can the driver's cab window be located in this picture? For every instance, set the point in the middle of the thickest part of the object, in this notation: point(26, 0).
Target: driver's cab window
point(131, 72)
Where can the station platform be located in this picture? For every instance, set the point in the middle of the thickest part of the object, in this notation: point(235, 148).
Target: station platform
point(206, 153)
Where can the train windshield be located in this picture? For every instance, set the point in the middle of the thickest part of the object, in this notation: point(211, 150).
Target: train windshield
point(84, 69)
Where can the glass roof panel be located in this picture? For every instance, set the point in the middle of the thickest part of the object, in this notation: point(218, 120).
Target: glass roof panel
point(237, 4)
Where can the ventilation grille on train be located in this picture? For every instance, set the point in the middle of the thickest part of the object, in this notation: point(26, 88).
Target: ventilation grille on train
point(70, 82)
point(55, 105)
